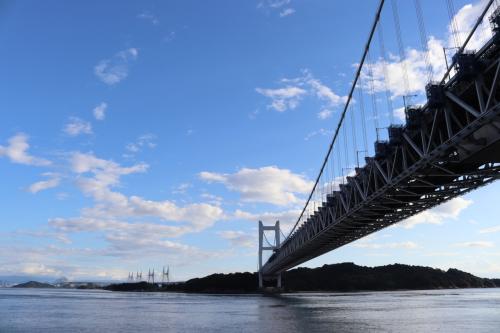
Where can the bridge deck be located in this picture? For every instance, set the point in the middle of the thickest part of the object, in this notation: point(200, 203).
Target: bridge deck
point(446, 148)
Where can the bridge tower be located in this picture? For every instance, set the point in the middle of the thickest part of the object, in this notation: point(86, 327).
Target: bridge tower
point(165, 275)
point(268, 247)
point(151, 276)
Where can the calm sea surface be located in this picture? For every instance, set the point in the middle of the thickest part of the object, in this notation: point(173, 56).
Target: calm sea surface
point(46, 310)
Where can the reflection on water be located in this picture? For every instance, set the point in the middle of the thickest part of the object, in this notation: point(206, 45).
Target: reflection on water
point(36, 310)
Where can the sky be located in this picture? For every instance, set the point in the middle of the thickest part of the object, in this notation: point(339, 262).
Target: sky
point(140, 134)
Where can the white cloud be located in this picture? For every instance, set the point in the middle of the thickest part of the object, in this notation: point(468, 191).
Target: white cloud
point(113, 226)
point(399, 113)
point(38, 269)
point(324, 92)
point(148, 16)
point(438, 215)
point(113, 262)
point(290, 96)
point(200, 215)
point(100, 111)
point(465, 19)
point(17, 151)
point(274, 4)
point(267, 184)
point(104, 169)
point(283, 99)
point(169, 37)
point(416, 70)
point(77, 126)
point(105, 175)
point(475, 244)
point(44, 234)
point(182, 188)
point(145, 140)
point(62, 196)
point(414, 61)
point(278, 3)
point(112, 71)
point(490, 230)
point(42, 185)
point(321, 131)
point(287, 218)
point(287, 12)
point(97, 178)
point(325, 114)
point(239, 238)
point(212, 199)
point(134, 239)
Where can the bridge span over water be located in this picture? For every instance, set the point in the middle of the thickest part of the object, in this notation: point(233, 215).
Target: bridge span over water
point(447, 147)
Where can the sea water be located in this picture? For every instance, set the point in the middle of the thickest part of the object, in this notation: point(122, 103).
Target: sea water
point(66, 310)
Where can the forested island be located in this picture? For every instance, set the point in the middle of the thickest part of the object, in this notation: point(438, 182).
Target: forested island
point(344, 277)
point(33, 284)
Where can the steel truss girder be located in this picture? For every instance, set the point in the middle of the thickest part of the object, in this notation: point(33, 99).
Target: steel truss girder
point(438, 162)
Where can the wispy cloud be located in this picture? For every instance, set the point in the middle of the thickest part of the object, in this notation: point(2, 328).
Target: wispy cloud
point(325, 114)
point(121, 218)
point(144, 141)
point(287, 12)
point(150, 17)
point(239, 238)
point(182, 188)
point(112, 71)
point(53, 181)
point(490, 230)
point(321, 131)
point(475, 244)
point(169, 37)
point(280, 6)
point(77, 126)
point(283, 99)
point(294, 90)
point(100, 111)
point(17, 151)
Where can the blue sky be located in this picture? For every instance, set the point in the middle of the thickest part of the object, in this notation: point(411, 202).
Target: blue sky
point(135, 135)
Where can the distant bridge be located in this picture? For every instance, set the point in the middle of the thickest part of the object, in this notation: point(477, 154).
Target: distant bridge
point(446, 148)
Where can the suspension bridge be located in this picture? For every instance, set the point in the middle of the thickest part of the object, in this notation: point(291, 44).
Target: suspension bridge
point(445, 148)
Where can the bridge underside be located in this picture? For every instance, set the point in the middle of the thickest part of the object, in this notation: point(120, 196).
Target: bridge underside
point(448, 147)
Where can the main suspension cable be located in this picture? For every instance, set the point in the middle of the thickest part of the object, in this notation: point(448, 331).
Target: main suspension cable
point(349, 97)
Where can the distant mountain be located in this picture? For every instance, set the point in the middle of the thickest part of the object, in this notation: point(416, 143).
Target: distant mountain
point(33, 284)
point(338, 277)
